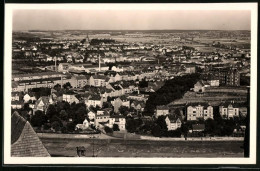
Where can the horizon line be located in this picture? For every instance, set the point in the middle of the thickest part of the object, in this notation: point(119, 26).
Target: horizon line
point(133, 30)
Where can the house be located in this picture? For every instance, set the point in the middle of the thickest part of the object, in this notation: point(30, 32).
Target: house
point(198, 127)
point(162, 110)
point(98, 80)
point(79, 81)
point(172, 123)
point(199, 111)
point(26, 98)
point(94, 100)
point(82, 126)
point(229, 110)
point(243, 111)
point(24, 140)
point(200, 86)
point(70, 98)
point(17, 104)
point(117, 119)
point(64, 67)
point(91, 115)
point(102, 116)
point(154, 86)
point(15, 96)
point(213, 82)
point(42, 103)
point(190, 70)
point(120, 101)
point(117, 89)
point(138, 105)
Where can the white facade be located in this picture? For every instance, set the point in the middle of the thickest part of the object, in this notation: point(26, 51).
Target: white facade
point(120, 121)
point(229, 112)
point(196, 112)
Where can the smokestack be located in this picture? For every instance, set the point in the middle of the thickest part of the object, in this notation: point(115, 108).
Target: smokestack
point(99, 63)
point(55, 59)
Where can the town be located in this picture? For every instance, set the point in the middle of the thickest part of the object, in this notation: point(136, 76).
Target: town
point(132, 84)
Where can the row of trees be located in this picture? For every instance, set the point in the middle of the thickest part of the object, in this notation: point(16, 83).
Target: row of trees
point(173, 89)
point(57, 116)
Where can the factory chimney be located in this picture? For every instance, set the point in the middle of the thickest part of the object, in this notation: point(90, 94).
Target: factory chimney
point(99, 63)
point(55, 59)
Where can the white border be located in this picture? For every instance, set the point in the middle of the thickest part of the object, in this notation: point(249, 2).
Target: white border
point(67, 160)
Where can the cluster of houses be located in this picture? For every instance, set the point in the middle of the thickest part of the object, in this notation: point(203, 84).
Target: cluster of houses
point(202, 111)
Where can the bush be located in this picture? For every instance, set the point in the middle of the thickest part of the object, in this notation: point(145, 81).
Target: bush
point(46, 126)
point(56, 126)
point(116, 127)
point(71, 126)
point(38, 119)
point(156, 131)
point(174, 133)
point(108, 130)
point(64, 130)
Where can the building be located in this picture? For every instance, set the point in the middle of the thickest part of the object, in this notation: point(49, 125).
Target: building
point(226, 76)
point(82, 126)
point(200, 86)
point(198, 111)
point(42, 103)
point(162, 110)
point(120, 101)
point(213, 82)
point(24, 140)
point(79, 81)
point(117, 119)
point(94, 100)
point(91, 115)
point(70, 98)
point(190, 70)
point(198, 128)
point(173, 123)
point(98, 80)
point(102, 116)
point(229, 110)
point(138, 105)
point(64, 67)
point(17, 104)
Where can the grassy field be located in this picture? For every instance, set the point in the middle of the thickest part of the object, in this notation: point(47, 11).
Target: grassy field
point(58, 147)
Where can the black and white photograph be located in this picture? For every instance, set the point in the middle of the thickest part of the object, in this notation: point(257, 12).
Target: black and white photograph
point(130, 83)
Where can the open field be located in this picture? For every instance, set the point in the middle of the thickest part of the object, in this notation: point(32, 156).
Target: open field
point(65, 147)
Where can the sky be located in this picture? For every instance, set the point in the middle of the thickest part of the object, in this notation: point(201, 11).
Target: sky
point(64, 19)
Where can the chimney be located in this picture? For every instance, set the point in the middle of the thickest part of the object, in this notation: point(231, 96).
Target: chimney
point(99, 63)
point(55, 59)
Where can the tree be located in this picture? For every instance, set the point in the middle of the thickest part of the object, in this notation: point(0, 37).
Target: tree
point(38, 119)
point(174, 133)
point(116, 127)
point(57, 87)
point(123, 110)
point(108, 130)
point(80, 115)
point(71, 126)
point(131, 125)
point(51, 111)
point(156, 131)
point(184, 129)
point(56, 125)
point(161, 122)
point(26, 107)
point(67, 85)
point(143, 83)
point(63, 115)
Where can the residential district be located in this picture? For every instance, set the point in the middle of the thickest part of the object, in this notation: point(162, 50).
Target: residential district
point(118, 83)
